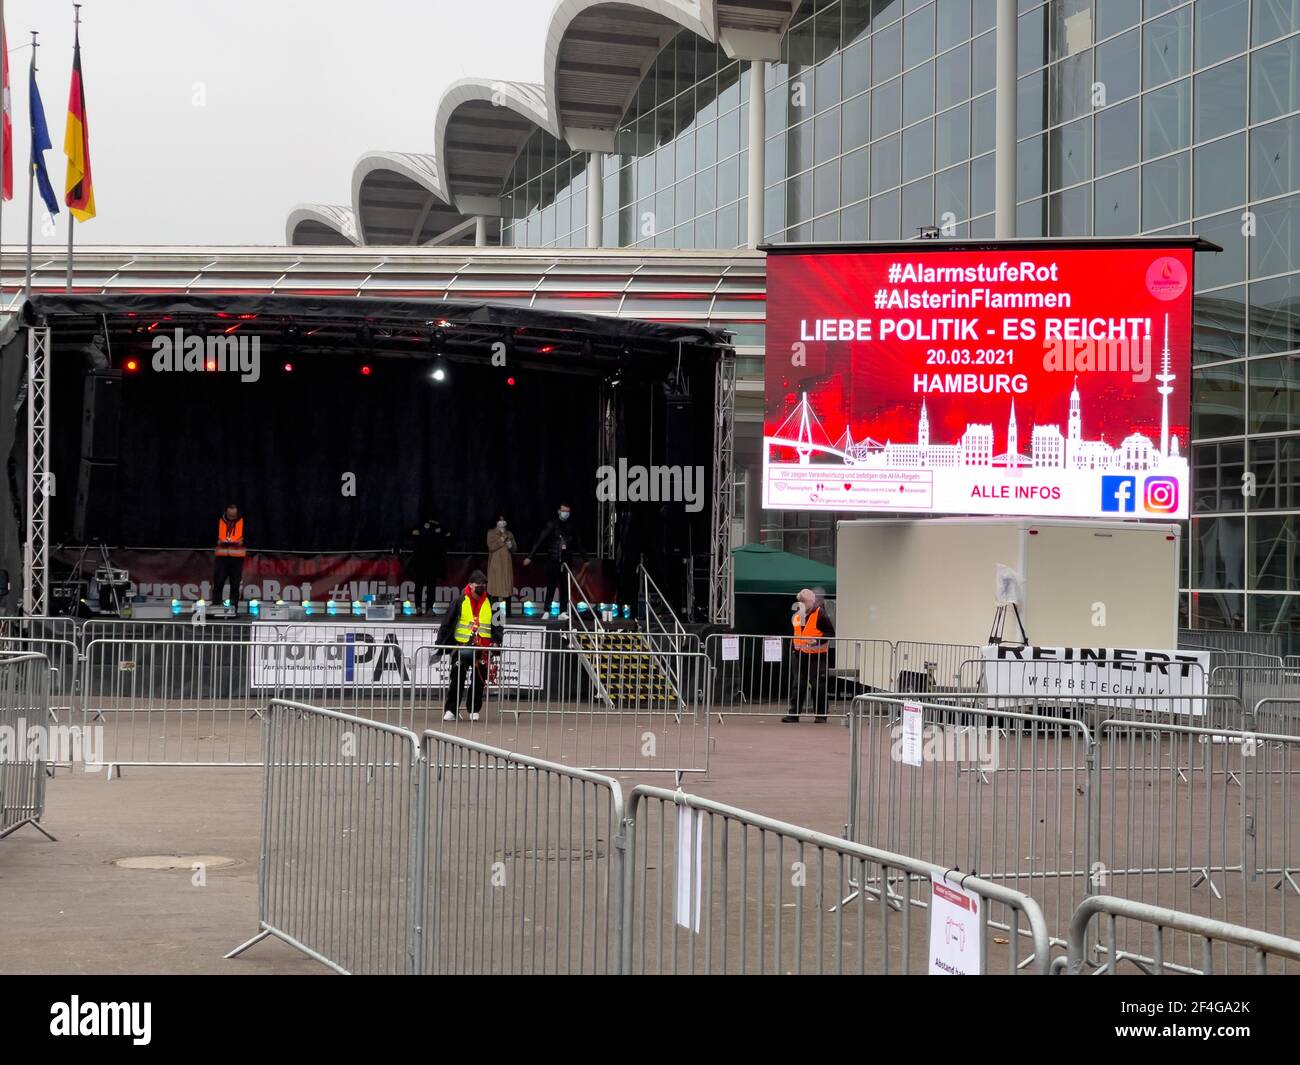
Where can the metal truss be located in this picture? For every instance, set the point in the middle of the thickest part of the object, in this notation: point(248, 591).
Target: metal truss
point(722, 593)
point(39, 481)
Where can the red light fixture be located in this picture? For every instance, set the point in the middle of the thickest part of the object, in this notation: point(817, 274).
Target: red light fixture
point(288, 367)
point(546, 349)
point(365, 371)
point(132, 365)
point(510, 381)
point(212, 364)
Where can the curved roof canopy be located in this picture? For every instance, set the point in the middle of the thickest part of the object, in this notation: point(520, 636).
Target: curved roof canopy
point(321, 224)
point(397, 199)
point(596, 55)
point(480, 127)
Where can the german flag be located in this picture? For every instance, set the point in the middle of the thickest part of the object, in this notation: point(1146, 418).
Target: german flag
point(79, 188)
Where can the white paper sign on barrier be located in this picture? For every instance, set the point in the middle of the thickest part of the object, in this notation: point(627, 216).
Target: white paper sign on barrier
point(731, 648)
point(345, 655)
point(771, 648)
point(690, 879)
point(954, 929)
point(912, 721)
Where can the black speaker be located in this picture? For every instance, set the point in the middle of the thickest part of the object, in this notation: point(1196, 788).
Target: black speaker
point(101, 410)
point(95, 514)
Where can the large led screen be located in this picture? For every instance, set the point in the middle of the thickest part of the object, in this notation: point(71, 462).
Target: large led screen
point(1017, 380)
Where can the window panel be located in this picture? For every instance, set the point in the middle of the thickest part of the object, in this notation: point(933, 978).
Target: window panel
point(1220, 29)
point(1219, 173)
point(1115, 138)
point(1115, 205)
point(1275, 157)
point(1274, 315)
point(1221, 99)
point(1167, 47)
point(1275, 462)
point(1275, 80)
point(1166, 119)
point(1216, 476)
point(1219, 326)
point(1274, 397)
point(1218, 401)
point(1218, 552)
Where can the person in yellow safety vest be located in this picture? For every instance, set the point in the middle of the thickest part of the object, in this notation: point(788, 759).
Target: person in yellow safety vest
point(228, 565)
point(472, 636)
point(809, 652)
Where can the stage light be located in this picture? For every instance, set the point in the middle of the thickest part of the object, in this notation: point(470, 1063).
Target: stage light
point(627, 611)
point(176, 608)
point(555, 609)
point(331, 607)
point(530, 608)
point(132, 365)
point(212, 364)
point(254, 607)
point(288, 367)
point(356, 607)
point(439, 372)
point(307, 608)
point(407, 608)
point(365, 370)
point(510, 381)
point(546, 349)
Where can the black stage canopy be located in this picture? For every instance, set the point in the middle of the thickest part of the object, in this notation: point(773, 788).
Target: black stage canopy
point(345, 393)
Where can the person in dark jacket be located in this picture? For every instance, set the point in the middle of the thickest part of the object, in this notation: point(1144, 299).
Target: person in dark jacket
point(809, 651)
point(471, 634)
point(560, 545)
point(428, 563)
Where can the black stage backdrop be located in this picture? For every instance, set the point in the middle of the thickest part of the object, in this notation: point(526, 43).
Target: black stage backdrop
point(280, 447)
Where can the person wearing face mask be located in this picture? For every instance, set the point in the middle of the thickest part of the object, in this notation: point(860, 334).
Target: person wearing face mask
point(560, 542)
point(470, 636)
point(501, 565)
point(813, 630)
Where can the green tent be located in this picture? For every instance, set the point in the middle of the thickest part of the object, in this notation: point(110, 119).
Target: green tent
point(763, 570)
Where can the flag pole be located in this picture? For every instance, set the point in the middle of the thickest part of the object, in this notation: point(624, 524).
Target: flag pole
point(72, 221)
point(4, 43)
point(31, 189)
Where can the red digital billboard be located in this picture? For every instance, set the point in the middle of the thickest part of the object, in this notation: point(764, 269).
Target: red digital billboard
point(1023, 378)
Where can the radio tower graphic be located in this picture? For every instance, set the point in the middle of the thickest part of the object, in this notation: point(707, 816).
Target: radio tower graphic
point(1166, 380)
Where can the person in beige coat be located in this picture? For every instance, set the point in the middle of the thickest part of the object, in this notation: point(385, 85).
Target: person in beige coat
point(501, 566)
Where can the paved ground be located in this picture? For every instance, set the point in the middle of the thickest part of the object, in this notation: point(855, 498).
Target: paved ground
point(67, 909)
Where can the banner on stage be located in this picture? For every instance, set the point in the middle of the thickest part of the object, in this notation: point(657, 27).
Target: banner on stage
point(1142, 679)
point(364, 655)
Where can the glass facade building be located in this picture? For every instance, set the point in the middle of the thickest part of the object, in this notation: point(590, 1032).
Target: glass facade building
point(1134, 117)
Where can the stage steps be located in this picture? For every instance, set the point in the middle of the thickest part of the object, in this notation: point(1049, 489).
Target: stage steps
point(624, 673)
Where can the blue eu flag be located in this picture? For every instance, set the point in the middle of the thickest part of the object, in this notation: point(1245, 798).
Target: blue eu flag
point(40, 145)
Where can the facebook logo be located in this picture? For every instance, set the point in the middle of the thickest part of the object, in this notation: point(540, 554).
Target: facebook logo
point(1119, 493)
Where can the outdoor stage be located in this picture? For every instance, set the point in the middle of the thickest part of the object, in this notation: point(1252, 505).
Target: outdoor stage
point(338, 424)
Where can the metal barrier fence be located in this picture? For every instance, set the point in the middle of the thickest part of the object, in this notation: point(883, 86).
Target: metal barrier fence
point(24, 705)
point(1200, 820)
point(1277, 714)
point(1080, 798)
point(383, 856)
point(1201, 934)
point(1262, 643)
point(341, 839)
point(715, 889)
point(999, 793)
point(768, 676)
point(63, 660)
point(605, 710)
point(524, 869)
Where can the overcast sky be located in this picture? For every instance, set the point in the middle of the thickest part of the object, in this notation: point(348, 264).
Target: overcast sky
point(211, 119)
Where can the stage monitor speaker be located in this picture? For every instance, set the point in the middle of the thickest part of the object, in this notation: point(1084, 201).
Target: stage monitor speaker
point(101, 410)
point(679, 432)
point(95, 514)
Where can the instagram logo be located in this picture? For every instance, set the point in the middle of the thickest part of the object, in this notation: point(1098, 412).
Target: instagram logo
point(1160, 495)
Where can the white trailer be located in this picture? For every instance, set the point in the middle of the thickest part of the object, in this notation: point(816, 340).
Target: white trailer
point(1087, 583)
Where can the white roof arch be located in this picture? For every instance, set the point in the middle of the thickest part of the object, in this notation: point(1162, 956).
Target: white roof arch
point(481, 125)
point(397, 198)
point(321, 224)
